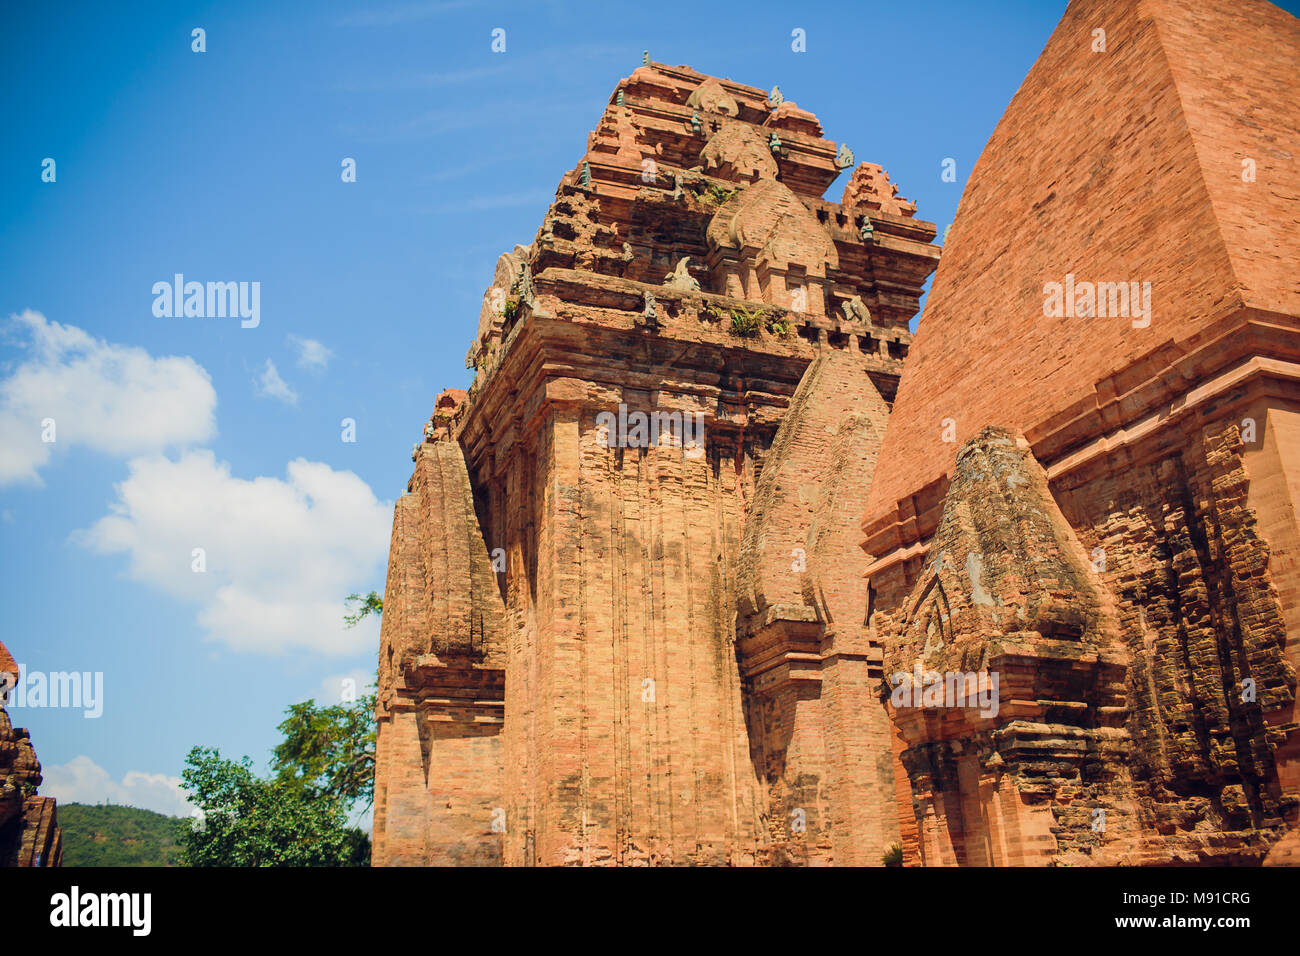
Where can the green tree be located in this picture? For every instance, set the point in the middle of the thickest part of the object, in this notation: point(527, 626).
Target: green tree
point(322, 771)
point(330, 751)
point(249, 821)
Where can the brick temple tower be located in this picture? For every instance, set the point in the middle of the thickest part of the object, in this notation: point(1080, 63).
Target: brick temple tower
point(625, 612)
point(1091, 478)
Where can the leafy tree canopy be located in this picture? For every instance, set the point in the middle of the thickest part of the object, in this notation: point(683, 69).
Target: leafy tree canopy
point(322, 770)
point(330, 751)
point(245, 820)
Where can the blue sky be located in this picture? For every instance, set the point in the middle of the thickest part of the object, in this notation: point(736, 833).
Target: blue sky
point(175, 433)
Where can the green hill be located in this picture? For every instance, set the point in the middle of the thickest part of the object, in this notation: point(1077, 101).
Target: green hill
point(108, 835)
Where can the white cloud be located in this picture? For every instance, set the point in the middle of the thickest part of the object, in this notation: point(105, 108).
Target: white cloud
point(81, 780)
point(280, 554)
point(271, 385)
point(311, 354)
point(116, 399)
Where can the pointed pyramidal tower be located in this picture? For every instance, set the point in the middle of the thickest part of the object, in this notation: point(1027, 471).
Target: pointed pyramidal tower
point(1107, 375)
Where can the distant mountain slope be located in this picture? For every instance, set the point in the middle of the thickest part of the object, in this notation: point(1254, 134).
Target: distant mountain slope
point(109, 835)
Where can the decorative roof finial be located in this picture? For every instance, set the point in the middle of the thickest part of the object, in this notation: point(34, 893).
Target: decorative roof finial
point(695, 121)
point(774, 143)
point(681, 278)
point(867, 231)
point(618, 99)
point(645, 57)
point(525, 285)
point(585, 178)
point(775, 98)
point(844, 158)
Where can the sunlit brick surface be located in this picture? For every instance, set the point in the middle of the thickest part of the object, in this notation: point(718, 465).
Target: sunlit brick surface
point(681, 672)
point(1150, 716)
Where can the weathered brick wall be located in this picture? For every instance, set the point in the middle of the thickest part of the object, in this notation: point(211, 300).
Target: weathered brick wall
point(438, 774)
point(819, 734)
point(1272, 462)
point(1182, 639)
point(1023, 775)
point(624, 737)
point(1200, 616)
point(403, 804)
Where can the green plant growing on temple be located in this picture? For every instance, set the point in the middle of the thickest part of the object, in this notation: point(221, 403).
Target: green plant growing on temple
point(746, 323)
point(893, 856)
point(779, 327)
point(719, 194)
point(372, 603)
point(511, 310)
